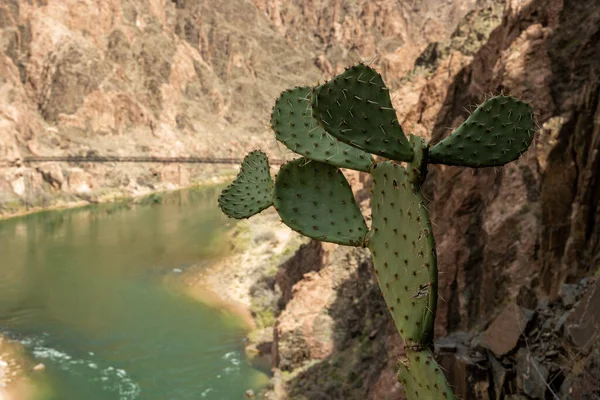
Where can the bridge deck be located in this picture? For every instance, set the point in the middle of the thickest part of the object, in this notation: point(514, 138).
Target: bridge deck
point(139, 159)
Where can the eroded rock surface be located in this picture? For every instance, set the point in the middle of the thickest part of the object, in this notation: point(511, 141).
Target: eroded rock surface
point(131, 78)
point(333, 332)
point(175, 78)
point(502, 336)
point(542, 364)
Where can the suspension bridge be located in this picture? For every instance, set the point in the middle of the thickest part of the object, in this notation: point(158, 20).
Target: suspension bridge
point(137, 159)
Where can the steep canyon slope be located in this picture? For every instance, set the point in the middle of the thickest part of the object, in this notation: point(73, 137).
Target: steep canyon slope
point(173, 78)
point(132, 77)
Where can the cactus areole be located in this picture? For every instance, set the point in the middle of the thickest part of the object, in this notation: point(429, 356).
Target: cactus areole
point(340, 124)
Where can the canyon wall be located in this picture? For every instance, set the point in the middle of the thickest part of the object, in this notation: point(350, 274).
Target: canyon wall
point(173, 78)
point(132, 77)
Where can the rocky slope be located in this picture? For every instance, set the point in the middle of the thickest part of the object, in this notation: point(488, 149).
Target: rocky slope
point(173, 78)
point(132, 77)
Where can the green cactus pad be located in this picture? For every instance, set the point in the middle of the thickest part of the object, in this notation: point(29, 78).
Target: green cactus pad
point(355, 107)
point(295, 127)
point(422, 377)
point(403, 249)
point(315, 199)
point(252, 190)
point(496, 133)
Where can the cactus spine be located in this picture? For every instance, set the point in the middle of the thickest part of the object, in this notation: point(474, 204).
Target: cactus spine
point(338, 124)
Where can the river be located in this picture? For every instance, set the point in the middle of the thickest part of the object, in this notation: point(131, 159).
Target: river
point(89, 294)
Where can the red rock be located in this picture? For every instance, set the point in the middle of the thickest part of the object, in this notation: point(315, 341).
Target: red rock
point(503, 334)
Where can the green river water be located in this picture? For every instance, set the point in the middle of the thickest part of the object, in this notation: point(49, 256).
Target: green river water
point(87, 292)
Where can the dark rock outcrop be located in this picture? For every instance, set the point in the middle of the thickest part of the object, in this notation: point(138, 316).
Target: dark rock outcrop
point(544, 363)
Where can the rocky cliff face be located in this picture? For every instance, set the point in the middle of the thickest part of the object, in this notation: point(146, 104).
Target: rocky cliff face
point(163, 78)
point(390, 33)
point(527, 224)
point(173, 78)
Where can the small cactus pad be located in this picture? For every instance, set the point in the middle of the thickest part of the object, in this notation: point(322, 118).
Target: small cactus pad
point(403, 249)
point(252, 190)
point(295, 127)
point(355, 107)
point(496, 133)
point(315, 199)
point(422, 377)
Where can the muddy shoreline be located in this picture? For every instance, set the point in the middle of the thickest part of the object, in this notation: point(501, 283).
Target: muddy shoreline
point(242, 282)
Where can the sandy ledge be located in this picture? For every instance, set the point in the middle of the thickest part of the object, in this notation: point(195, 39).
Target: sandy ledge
point(257, 247)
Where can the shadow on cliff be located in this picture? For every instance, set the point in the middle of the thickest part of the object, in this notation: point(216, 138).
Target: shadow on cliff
point(472, 286)
point(361, 335)
point(559, 188)
point(559, 197)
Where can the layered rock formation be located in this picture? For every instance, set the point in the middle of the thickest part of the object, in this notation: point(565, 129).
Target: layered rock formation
point(130, 77)
point(173, 78)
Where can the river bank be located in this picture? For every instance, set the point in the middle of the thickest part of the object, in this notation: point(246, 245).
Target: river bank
point(111, 197)
point(243, 282)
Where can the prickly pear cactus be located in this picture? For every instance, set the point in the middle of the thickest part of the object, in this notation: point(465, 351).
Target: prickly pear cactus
point(422, 377)
point(313, 197)
point(355, 107)
point(496, 133)
point(402, 246)
point(252, 190)
point(316, 200)
point(294, 126)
